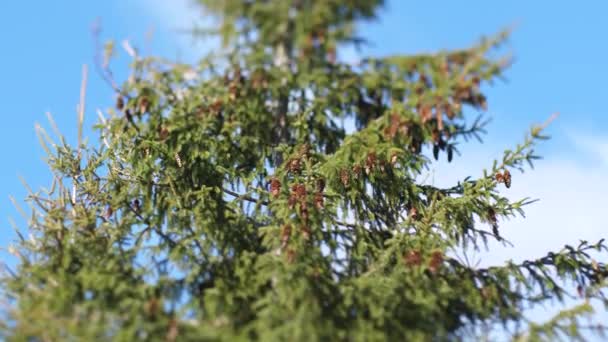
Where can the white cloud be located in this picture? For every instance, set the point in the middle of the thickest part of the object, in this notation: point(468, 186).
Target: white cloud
point(173, 14)
point(174, 19)
point(595, 147)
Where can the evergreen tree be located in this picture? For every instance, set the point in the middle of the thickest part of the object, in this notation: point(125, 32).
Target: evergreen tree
point(225, 201)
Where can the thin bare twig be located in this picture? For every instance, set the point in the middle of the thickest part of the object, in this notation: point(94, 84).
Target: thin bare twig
point(81, 106)
point(102, 70)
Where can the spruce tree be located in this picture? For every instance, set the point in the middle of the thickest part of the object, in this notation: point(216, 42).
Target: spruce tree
point(227, 200)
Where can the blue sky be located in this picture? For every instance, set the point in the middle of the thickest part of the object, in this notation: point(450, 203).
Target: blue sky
point(560, 66)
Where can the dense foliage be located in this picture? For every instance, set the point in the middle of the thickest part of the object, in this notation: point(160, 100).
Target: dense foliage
point(227, 200)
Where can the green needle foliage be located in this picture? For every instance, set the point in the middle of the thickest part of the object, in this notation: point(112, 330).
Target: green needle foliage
point(226, 201)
